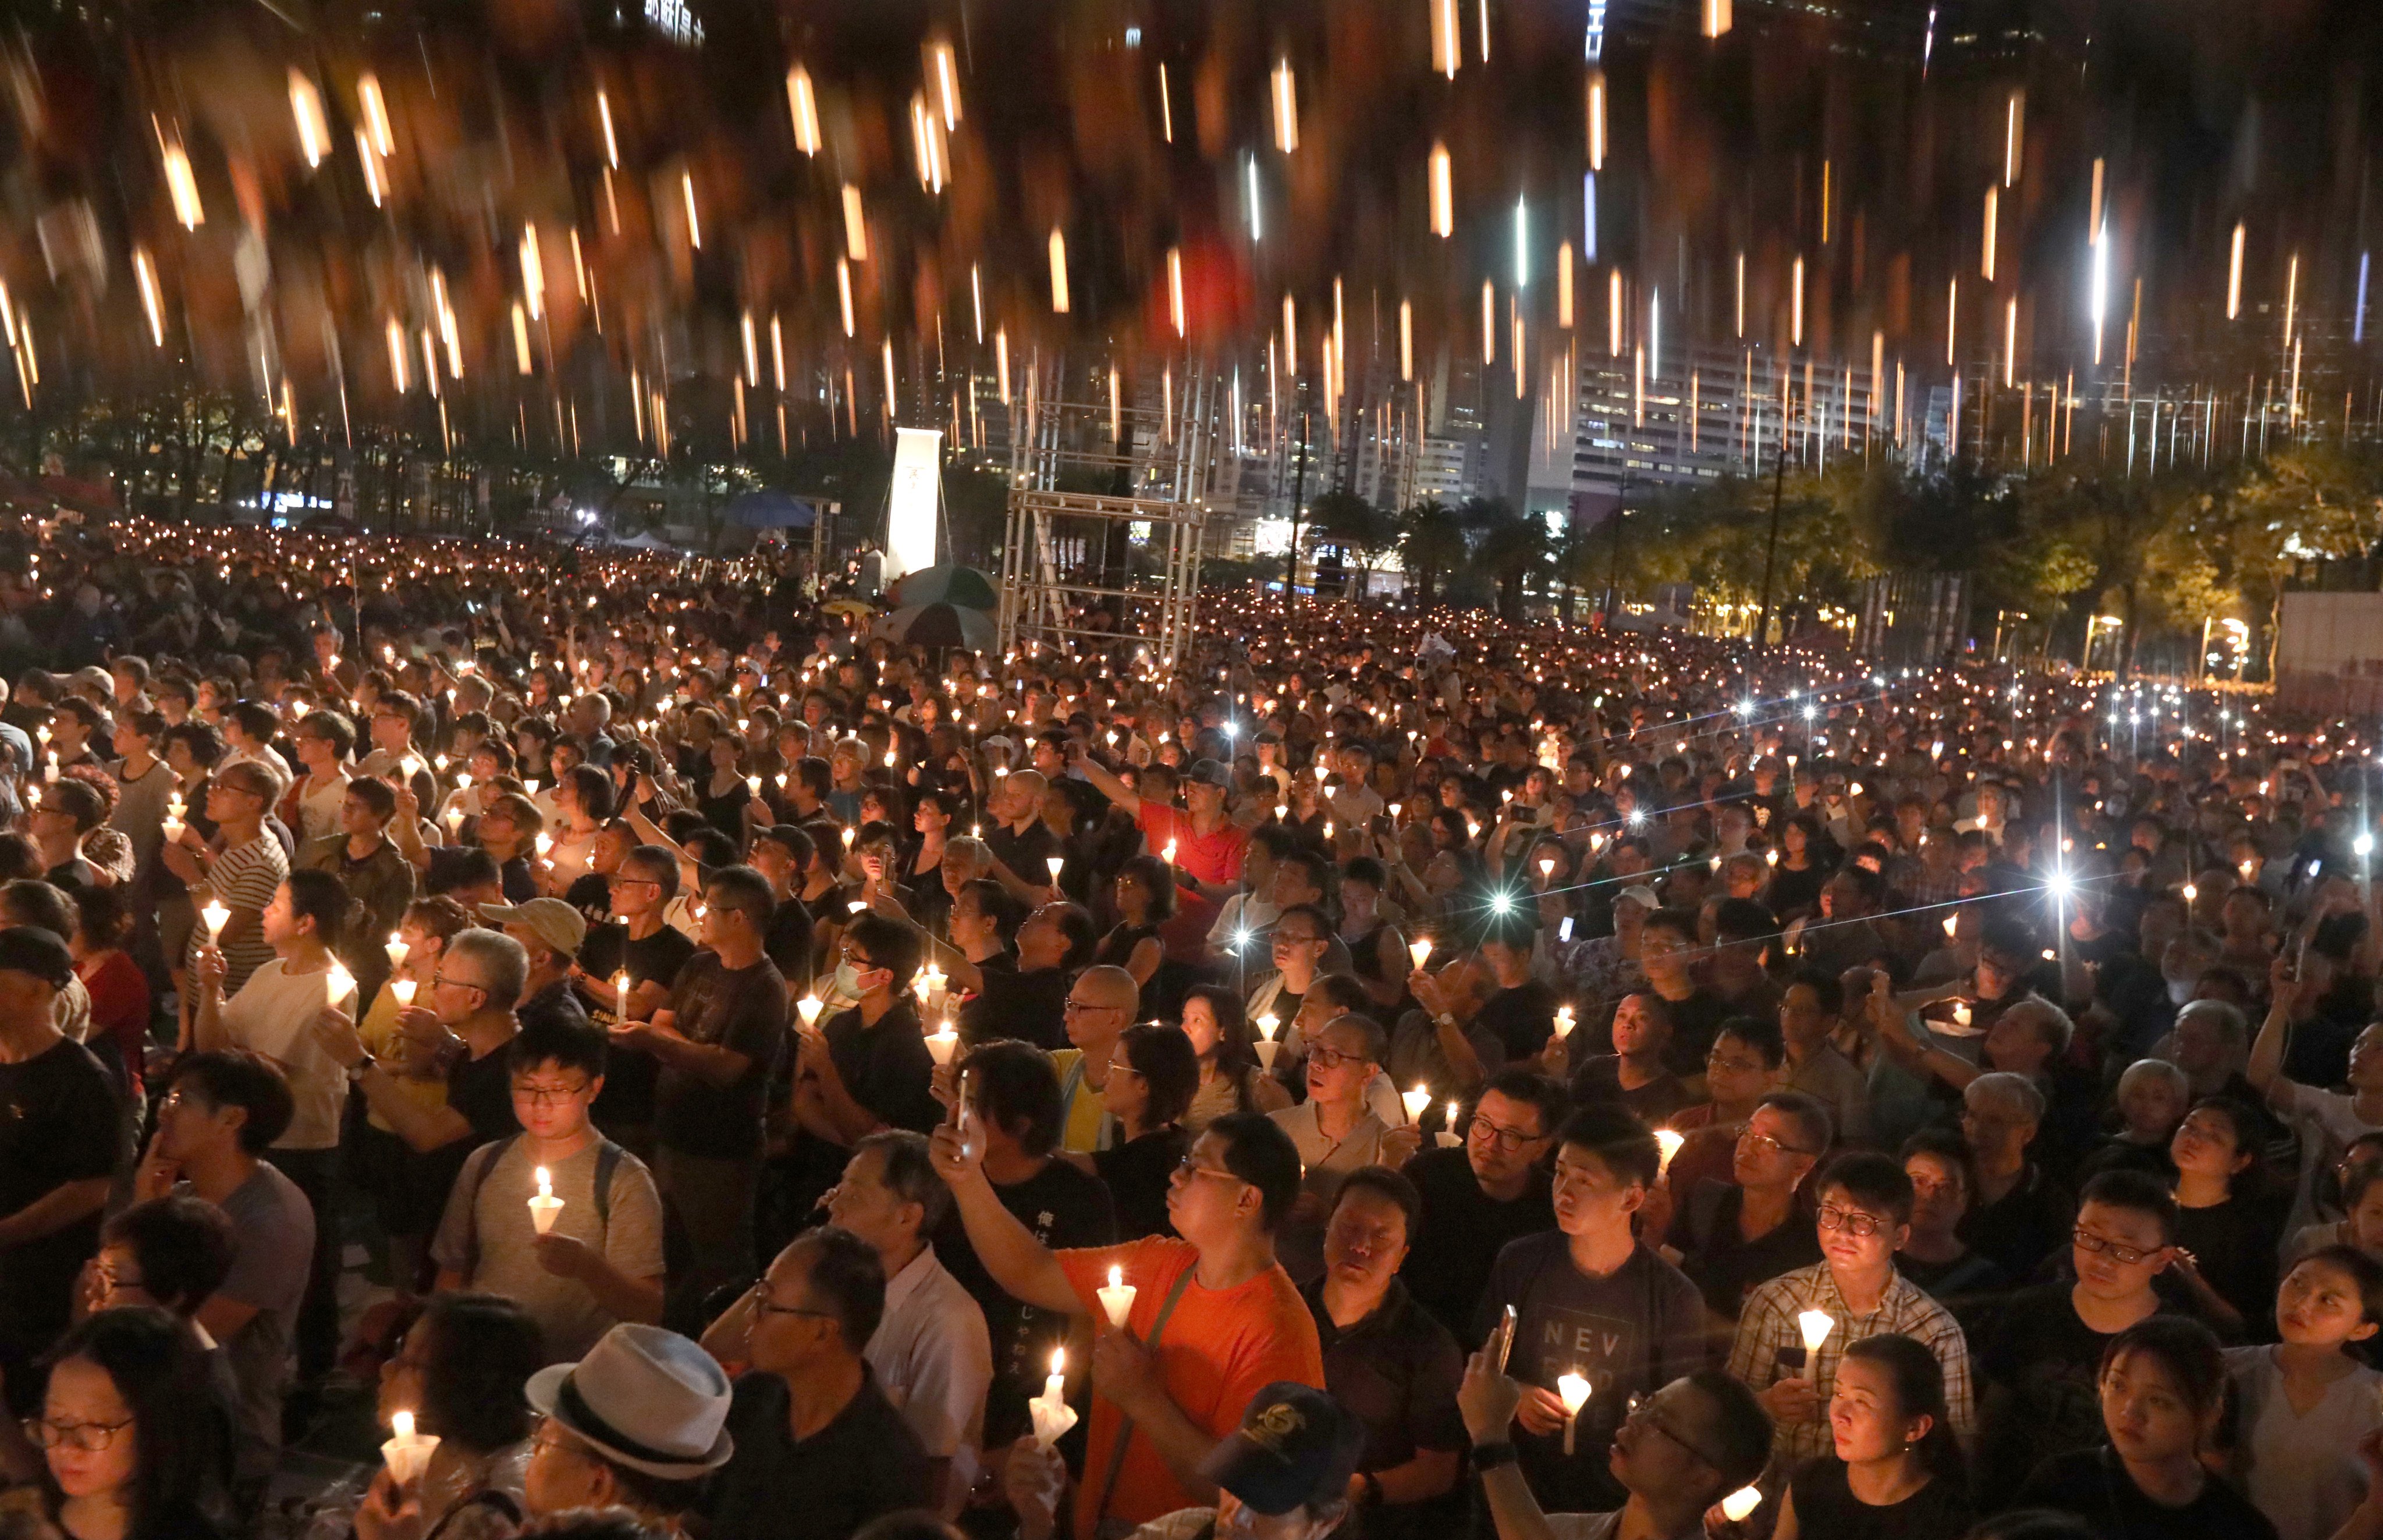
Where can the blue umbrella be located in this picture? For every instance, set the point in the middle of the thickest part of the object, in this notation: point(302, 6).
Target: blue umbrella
point(765, 509)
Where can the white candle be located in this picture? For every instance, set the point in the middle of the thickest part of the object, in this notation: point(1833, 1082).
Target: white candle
point(1668, 1141)
point(1564, 1022)
point(341, 981)
point(1416, 1101)
point(532, 785)
point(1451, 1113)
point(1055, 863)
point(810, 1007)
point(1052, 1416)
point(942, 1045)
point(454, 820)
point(1960, 1013)
point(545, 1205)
point(407, 1452)
point(545, 844)
point(1419, 948)
point(753, 784)
point(1117, 1298)
point(620, 995)
point(216, 915)
point(1738, 1503)
point(403, 990)
point(1268, 1023)
point(397, 947)
point(1573, 1389)
point(1816, 1325)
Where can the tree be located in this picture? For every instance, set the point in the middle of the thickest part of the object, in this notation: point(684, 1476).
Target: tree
point(1512, 548)
point(1431, 542)
point(1361, 531)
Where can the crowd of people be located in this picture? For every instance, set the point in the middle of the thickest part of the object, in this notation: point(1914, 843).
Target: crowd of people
point(1389, 1074)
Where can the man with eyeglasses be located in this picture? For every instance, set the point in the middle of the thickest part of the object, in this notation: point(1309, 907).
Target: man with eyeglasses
point(639, 943)
point(1864, 1218)
point(241, 868)
point(820, 1451)
point(1730, 1237)
point(1214, 1318)
point(2041, 1362)
point(1493, 1189)
point(1667, 952)
point(1336, 1133)
point(1677, 1453)
point(1100, 1007)
point(600, 1261)
point(1591, 1299)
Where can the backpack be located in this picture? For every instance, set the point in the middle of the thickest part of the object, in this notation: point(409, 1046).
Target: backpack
point(608, 1160)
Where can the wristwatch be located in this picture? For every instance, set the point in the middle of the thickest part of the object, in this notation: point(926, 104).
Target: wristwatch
point(357, 1070)
point(1489, 1456)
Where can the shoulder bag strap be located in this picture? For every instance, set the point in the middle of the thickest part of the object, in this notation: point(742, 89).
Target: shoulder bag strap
point(1125, 1433)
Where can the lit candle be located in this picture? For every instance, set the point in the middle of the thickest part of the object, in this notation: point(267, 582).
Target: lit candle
point(545, 1205)
point(1116, 1297)
point(810, 1007)
point(1451, 1113)
point(545, 844)
point(753, 784)
point(216, 915)
point(1564, 1022)
point(407, 1452)
point(1169, 853)
point(1052, 1416)
point(1416, 1101)
point(341, 982)
point(1816, 1325)
point(397, 948)
point(1667, 1143)
point(1960, 1013)
point(1950, 922)
point(454, 821)
point(942, 1045)
point(403, 990)
point(620, 994)
point(532, 785)
point(1738, 1503)
point(1574, 1391)
point(1419, 948)
point(1055, 863)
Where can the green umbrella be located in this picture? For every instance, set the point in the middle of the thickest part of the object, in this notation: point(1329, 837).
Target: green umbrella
point(944, 584)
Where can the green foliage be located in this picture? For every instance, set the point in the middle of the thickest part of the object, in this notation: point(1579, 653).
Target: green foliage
point(1431, 543)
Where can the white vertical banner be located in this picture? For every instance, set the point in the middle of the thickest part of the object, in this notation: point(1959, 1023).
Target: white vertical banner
point(918, 483)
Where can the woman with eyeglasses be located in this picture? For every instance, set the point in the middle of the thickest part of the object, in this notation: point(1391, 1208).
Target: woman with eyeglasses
point(2161, 1391)
point(1895, 1472)
point(1152, 1074)
point(129, 1432)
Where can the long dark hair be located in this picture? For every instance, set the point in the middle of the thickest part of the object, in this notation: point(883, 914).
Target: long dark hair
point(1234, 1055)
point(483, 1349)
point(1918, 1392)
point(162, 1376)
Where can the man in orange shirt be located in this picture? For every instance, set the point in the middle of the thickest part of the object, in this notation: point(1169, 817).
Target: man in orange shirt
point(1214, 1318)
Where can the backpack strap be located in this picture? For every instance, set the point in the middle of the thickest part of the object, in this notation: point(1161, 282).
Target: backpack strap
point(608, 1160)
point(477, 1174)
point(1125, 1428)
point(494, 1498)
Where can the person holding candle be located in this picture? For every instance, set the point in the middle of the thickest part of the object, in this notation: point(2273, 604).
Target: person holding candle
point(310, 808)
point(1681, 1451)
point(1101, 1004)
point(58, 1151)
point(1732, 1237)
point(375, 873)
point(600, 1262)
point(130, 1445)
point(1895, 1472)
point(1215, 1318)
point(146, 787)
point(1492, 1190)
point(459, 1375)
point(276, 1014)
point(239, 869)
point(637, 943)
point(1865, 1214)
point(868, 1068)
point(220, 1113)
point(1230, 1077)
point(406, 1214)
point(1633, 1076)
point(1336, 1133)
point(1591, 1299)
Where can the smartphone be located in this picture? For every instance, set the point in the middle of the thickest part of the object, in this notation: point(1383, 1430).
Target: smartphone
point(965, 1102)
point(1505, 1338)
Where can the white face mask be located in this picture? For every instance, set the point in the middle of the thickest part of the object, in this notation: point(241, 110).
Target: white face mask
point(847, 981)
point(2179, 991)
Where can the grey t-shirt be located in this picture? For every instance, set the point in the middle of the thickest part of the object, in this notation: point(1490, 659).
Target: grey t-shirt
point(274, 1226)
point(630, 1237)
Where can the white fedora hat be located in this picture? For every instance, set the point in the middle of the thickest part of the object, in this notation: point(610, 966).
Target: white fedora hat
point(643, 1398)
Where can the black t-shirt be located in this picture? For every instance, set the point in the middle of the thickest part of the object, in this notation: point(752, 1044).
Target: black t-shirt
point(1522, 1018)
point(1064, 1207)
point(1462, 1231)
point(2039, 1368)
point(627, 1102)
point(1600, 1081)
point(1031, 1008)
point(1139, 1173)
point(2234, 1244)
point(1026, 854)
point(1724, 1266)
point(1395, 1371)
point(591, 894)
point(2094, 1485)
point(59, 1122)
point(1825, 1505)
point(2024, 1226)
point(1695, 1021)
point(887, 1067)
point(789, 943)
point(864, 1463)
point(481, 1090)
point(743, 1010)
point(1631, 1333)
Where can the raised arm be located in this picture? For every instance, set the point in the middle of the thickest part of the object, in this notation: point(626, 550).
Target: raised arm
point(1022, 1266)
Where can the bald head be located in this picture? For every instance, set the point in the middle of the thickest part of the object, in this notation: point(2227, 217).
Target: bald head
point(1110, 987)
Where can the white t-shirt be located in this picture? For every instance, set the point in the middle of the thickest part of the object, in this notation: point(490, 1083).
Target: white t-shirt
point(2304, 1473)
point(273, 1015)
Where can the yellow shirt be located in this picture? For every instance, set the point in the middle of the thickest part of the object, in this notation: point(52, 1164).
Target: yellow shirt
point(422, 1083)
point(1084, 1124)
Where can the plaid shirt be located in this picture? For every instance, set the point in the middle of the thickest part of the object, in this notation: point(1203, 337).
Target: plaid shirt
point(1767, 1325)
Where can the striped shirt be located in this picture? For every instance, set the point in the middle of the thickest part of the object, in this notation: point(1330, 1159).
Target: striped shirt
point(1767, 1325)
point(243, 879)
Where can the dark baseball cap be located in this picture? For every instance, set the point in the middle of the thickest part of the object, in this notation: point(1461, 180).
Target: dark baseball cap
point(31, 950)
point(1208, 773)
point(1295, 1447)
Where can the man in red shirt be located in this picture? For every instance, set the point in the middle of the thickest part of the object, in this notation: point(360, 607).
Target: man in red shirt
point(1204, 845)
point(1213, 1318)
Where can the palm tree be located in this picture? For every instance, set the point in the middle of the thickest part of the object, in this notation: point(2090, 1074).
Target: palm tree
point(1431, 542)
point(1342, 519)
point(1512, 549)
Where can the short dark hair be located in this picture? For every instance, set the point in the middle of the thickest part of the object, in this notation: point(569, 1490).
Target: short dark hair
point(2137, 1192)
point(1824, 985)
point(483, 1348)
point(2188, 1350)
point(1083, 940)
point(744, 890)
point(1261, 1153)
point(566, 1042)
point(378, 795)
point(1019, 1090)
point(1760, 1033)
point(1165, 1059)
point(321, 897)
point(1532, 1090)
point(1384, 1182)
point(236, 1077)
point(911, 1172)
point(1742, 1427)
point(846, 1273)
point(1742, 919)
point(1876, 1181)
point(1626, 1146)
point(1814, 1128)
point(255, 719)
point(890, 945)
point(78, 802)
point(657, 863)
point(30, 901)
point(184, 1245)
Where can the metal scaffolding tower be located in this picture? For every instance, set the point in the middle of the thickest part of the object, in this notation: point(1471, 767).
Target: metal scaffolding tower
point(1129, 550)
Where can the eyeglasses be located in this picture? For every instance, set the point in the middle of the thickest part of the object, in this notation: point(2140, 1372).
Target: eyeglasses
point(440, 981)
point(1077, 1007)
point(631, 882)
point(1715, 1060)
point(90, 1438)
point(764, 1305)
point(1332, 1058)
point(1502, 1138)
point(1188, 1166)
point(1764, 1145)
point(548, 1096)
point(1643, 1415)
point(2125, 1256)
point(1852, 1220)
